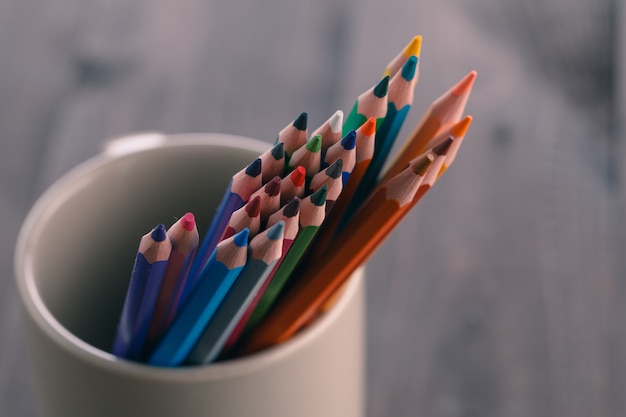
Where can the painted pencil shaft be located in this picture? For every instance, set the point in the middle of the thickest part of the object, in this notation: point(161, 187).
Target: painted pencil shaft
point(149, 268)
point(371, 225)
point(222, 269)
point(312, 215)
point(263, 252)
point(183, 235)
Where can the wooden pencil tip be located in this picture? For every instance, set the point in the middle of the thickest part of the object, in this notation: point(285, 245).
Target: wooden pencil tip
point(292, 207)
point(253, 208)
point(459, 129)
point(188, 222)
point(254, 168)
point(380, 90)
point(336, 121)
point(443, 147)
point(349, 141)
point(159, 234)
point(465, 85)
point(276, 232)
point(315, 144)
point(369, 127)
point(301, 121)
point(241, 238)
point(298, 176)
point(278, 151)
point(334, 169)
point(409, 69)
point(272, 188)
point(414, 47)
point(319, 197)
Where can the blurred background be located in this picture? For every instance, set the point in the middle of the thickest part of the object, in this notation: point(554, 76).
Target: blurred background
point(501, 295)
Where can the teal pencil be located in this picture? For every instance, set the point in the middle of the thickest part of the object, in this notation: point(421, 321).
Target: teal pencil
point(371, 103)
point(294, 135)
point(224, 266)
point(400, 98)
point(273, 162)
point(312, 215)
point(263, 252)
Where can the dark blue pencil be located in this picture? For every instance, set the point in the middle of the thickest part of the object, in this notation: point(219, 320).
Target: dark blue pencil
point(148, 270)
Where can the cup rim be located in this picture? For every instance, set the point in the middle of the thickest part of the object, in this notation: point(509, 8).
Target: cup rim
point(43, 318)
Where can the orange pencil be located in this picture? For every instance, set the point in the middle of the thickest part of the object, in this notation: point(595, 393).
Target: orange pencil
point(443, 112)
point(457, 133)
point(370, 226)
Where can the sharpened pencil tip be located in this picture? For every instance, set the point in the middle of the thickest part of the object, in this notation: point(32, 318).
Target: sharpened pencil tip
point(349, 141)
point(414, 47)
point(276, 232)
point(298, 176)
point(461, 127)
point(159, 234)
point(409, 68)
point(278, 151)
point(319, 197)
point(292, 207)
point(465, 85)
point(301, 122)
point(381, 88)
point(315, 144)
point(253, 208)
point(254, 169)
point(188, 221)
point(336, 121)
point(421, 165)
point(272, 188)
point(241, 238)
point(369, 127)
point(443, 147)
point(334, 169)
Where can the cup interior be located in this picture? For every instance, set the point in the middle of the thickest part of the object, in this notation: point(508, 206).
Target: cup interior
point(85, 230)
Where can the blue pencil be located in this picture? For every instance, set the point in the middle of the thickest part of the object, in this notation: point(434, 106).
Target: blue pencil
point(223, 268)
point(241, 187)
point(148, 270)
point(264, 251)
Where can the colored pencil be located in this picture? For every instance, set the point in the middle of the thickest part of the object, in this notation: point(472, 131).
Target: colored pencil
point(364, 152)
point(400, 98)
point(330, 130)
point(456, 133)
point(294, 135)
point(263, 252)
point(224, 266)
point(362, 236)
point(371, 103)
point(331, 177)
point(292, 185)
point(149, 269)
point(183, 235)
point(290, 215)
point(273, 162)
point(312, 215)
point(308, 156)
point(345, 150)
point(270, 198)
point(412, 49)
point(442, 113)
point(247, 217)
point(241, 187)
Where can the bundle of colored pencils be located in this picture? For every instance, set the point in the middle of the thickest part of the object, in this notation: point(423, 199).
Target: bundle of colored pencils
point(291, 227)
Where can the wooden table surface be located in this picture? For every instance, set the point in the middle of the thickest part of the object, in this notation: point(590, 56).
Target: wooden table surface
point(502, 294)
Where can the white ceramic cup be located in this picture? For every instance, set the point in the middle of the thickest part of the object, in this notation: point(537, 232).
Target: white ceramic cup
point(73, 262)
